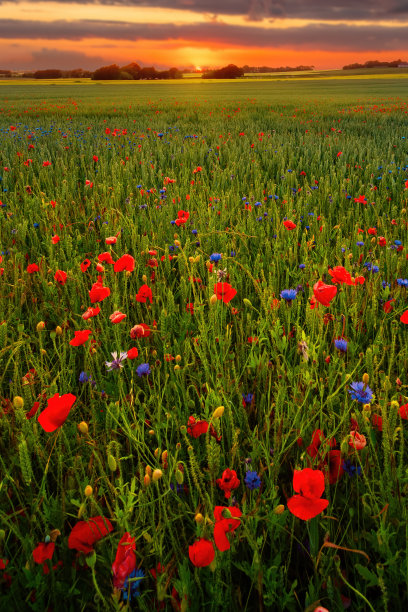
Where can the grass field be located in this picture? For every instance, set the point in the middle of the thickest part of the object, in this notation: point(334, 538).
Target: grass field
point(203, 345)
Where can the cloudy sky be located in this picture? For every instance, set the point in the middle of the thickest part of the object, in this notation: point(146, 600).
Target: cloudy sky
point(90, 33)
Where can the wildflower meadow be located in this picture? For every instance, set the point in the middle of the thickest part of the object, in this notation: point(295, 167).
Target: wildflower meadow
point(203, 346)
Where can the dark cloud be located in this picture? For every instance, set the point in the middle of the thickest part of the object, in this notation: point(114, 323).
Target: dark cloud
point(316, 36)
point(320, 10)
point(50, 58)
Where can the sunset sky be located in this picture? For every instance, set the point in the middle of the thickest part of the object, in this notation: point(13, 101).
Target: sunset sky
point(195, 33)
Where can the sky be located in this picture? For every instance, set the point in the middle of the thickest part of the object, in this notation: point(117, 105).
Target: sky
point(88, 34)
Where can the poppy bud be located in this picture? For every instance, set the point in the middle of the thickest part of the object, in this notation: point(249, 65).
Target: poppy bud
point(40, 326)
point(178, 446)
point(178, 358)
point(199, 517)
point(88, 491)
point(218, 412)
point(183, 429)
point(164, 456)
point(279, 509)
point(112, 463)
point(179, 477)
point(213, 299)
point(157, 474)
point(177, 243)
point(146, 480)
point(151, 432)
point(197, 259)
point(156, 453)
point(176, 368)
point(83, 427)
point(18, 402)
point(58, 330)
point(43, 351)
point(144, 278)
point(247, 302)
point(191, 260)
point(175, 236)
point(366, 378)
point(148, 470)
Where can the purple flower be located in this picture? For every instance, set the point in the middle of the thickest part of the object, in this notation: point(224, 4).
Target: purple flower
point(252, 480)
point(116, 364)
point(143, 370)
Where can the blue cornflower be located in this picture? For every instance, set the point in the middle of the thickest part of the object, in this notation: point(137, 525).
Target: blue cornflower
point(252, 480)
point(288, 294)
point(397, 242)
point(233, 253)
point(350, 469)
point(83, 377)
point(194, 231)
point(247, 399)
point(302, 266)
point(360, 243)
point(385, 284)
point(143, 370)
point(403, 282)
point(341, 345)
point(361, 392)
point(215, 257)
point(132, 584)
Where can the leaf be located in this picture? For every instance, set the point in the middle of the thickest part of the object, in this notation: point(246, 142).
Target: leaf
point(367, 574)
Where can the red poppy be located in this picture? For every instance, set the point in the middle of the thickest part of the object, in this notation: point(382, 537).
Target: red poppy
point(85, 265)
point(55, 239)
point(182, 217)
point(31, 268)
point(106, 258)
point(225, 524)
point(43, 552)
point(125, 560)
point(357, 440)
point(201, 553)
point(190, 308)
point(126, 262)
point(95, 158)
point(132, 353)
point(142, 330)
point(86, 533)
point(61, 277)
point(111, 240)
point(289, 225)
point(377, 422)
point(33, 411)
point(404, 317)
point(382, 241)
point(310, 484)
point(80, 337)
point(91, 312)
point(98, 292)
point(197, 428)
point(228, 482)
point(372, 231)
point(224, 292)
point(56, 412)
point(334, 463)
point(317, 438)
point(340, 275)
point(403, 412)
point(117, 317)
point(361, 199)
point(388, 307)
point(324, 293)
point(144, 294)
point(359, 280)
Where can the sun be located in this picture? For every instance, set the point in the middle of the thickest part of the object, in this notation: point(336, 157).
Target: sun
point(198, 68)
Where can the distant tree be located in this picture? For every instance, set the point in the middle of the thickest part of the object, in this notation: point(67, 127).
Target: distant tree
point(133, 69)
point(228, 72)
point(148, 73)
point(107, 73)
point(5, 73)
point(374, 64)
point(48, 74)
point(77, 73)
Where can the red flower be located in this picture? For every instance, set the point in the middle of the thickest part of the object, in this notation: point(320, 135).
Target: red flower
point(361, 199)
point(289, 225)
point(182, 217)
point(80, 337)
point(196, 428)
point(91, 312)
point(55, 239)
point(190, 308)
point(105, 258)
point(201, 553)
point(372, 231)
point(224, 525)
point(224, 292)
point(310, 484)
point(377, 422)
point(340, 275)
point(132, 353)
point(43, 552)
point(382, 241)
point(61, 277)
point(31, 268)
point(125, 560)
point(33, 411)
point(403, 412)
point(324, 293)
point(111, 240)
point(95, 158)
point(357, 440)
point(317, 438)
point(335, 464)
point(56, 412)
point(140, 331)
point(85, 265)
point(98, 292)
point(144, 294)
point(86, 533)
point(126, 262)
point(404, 317)
point(117, 317)
point(228, 482)
point(388, 307)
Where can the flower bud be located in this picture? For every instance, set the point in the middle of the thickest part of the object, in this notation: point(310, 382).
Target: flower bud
point(40, 326)
point(148, 470)
point(112, 463)
point(213, 299)
point(144, 278)
point(83, 427)
point(218, 412)
point(176, 368)
point(156, 453)
point(366, 378)
point(247, 302)
point(146, 480)
point(179, 477)
point(175, 236)
point(164, 456)
point(157, 474)
point(178, 358)
point(199, 517)
point(151, 432)
point(88, 491)
point(177, 243)
point(191, 260)
point(43, 351)
point(58, 330)
point(18, 402)
point(279, 509)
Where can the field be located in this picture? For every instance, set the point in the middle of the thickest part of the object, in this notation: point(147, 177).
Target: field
point(203, 345)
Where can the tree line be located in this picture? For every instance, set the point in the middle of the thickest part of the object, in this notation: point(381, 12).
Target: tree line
point(376, 64)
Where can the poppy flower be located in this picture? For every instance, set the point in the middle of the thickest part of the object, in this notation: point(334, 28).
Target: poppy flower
point(55, 239)
point(117, 317)
point(111, 240)
point(132, 353)
point(310, 484)
point(340, 275)
point(91, 312)
point(404, 317)
point(324, 293)
point(334, 464)
point(224, 292)
point(98, 292)
point(125, 560)
point(43, 552)
point(377, 422)
point(56, 412)
point(86, 533)
point(201, 553)
point(85, 265)
point(224, 525)
point(126, 262)
point(289, 225)
point(317, 438)
point(388, 307)
point(403, 412)
point(382, 241)
point(105, 258)
point(80, 337)
point(144, 294)
point(357, 440)
point(196, 428)
point(142, 330)
point(31, 268)
point(33, 411)
point(182, 217)
point(228, 482)
point(61, 277)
